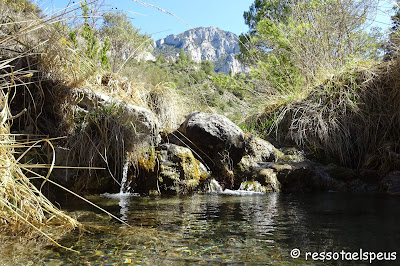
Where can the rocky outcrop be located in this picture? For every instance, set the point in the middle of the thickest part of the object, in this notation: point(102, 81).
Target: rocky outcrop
point(303, 177)
point(258, 150)
point(179, 170)
point(144, 123)
point(230, 64)
point(204, 43)
point(106, 130)
point(204, 145)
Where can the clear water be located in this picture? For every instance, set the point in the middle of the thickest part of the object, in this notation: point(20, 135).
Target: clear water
point(228, 229)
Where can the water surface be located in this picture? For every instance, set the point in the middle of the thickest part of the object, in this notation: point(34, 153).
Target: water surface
point(253, 229)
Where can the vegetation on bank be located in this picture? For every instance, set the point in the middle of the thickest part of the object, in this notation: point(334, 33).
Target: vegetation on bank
point(331, 79)
point(24, 210)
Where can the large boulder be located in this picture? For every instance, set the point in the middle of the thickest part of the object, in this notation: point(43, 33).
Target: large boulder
point(179, 171)
point(213, 136)
point(216, 141)
point(106, 129)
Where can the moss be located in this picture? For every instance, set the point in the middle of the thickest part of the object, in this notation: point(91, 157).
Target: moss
point(252, 186)
point(170, 169)
point(186, 172)
point(291, 155)
point(148, 160)
point(269, 178)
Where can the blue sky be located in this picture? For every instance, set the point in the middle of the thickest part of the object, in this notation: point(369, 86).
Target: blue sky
point(224, 14)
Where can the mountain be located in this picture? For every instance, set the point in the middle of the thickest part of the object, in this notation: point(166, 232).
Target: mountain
point(204, 43)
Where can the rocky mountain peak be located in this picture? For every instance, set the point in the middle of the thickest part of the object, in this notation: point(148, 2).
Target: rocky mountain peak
point(204, 43)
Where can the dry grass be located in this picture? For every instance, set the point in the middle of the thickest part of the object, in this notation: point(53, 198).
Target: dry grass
point(352, 118)
point(24, 210)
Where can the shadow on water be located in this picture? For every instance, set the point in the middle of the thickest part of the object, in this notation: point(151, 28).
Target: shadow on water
point(260, 229)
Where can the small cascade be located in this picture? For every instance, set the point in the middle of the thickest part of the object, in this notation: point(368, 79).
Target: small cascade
point(124, 182)
point(124, 195)
point(124, 191)
point(214, 187)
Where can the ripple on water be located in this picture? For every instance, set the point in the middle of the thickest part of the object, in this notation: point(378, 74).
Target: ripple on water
point(220, 228)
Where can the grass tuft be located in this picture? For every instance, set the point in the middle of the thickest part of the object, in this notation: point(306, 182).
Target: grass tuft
point(352, 118)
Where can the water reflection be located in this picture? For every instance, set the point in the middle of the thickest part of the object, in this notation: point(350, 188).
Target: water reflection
point(260, 229)
point(124, 204)
point(312, 222)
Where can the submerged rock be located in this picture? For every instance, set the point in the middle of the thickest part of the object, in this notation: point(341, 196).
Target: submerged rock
point(253, 186)
point(269, 179)
point(246, 188)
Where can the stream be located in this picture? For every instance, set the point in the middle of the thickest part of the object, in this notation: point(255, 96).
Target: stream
point(218, 228)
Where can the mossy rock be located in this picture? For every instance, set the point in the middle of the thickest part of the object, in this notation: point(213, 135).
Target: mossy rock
point(171, 169)
point(179, 171)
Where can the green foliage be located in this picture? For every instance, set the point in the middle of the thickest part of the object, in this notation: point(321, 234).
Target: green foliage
point(207, 67)
point(160, 60)
point(23, 5)
point(90, 46)
point(73, 36)
point(126, 41)
point(183, 57)
point(236, 84)
point(274, 10)
point(184, 72)
point(104, 59)
point(183, 63)
point(296, 43)
point(198, 76)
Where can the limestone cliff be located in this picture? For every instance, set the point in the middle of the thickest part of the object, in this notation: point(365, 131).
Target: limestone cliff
point(204, 43)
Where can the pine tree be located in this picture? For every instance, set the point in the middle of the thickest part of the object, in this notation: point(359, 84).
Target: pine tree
point(392, 48)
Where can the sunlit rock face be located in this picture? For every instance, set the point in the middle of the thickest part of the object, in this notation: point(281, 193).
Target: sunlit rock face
point(204, 43)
